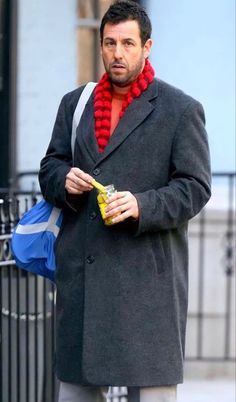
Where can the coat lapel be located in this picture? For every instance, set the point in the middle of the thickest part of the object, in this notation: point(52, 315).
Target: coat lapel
point(137, 111)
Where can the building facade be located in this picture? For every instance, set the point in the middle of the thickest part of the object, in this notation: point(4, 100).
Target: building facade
point(49, 48)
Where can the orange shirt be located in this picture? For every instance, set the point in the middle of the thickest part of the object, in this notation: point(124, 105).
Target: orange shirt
point(117, 100)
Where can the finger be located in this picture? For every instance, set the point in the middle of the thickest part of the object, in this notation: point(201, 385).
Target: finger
point(117, 208)
point(72, 190)
point(82, 175)
point(122, 217)
point(117, 196)
point(72, 186)
point(123, 199)
point(79, 177)
point(84, 186)
point(79, 183)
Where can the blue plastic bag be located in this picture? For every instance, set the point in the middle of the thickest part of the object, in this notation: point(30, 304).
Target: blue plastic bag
point(34, 237)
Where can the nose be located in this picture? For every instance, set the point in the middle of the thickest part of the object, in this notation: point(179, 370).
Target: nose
point(118, 52)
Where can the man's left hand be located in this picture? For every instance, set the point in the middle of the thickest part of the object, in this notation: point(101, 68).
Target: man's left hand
point(122, 205)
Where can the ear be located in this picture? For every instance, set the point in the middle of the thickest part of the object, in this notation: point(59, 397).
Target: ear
point(147, 48)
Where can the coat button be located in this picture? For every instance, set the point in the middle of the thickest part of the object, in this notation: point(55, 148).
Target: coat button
point(96, 171)
point(90, 259)
point(92, 215)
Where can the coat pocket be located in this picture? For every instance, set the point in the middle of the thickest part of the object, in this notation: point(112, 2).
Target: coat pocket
point(160, 249)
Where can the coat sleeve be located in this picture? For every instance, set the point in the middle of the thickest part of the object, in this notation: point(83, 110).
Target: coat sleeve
point(58, 159)
point(188, 189)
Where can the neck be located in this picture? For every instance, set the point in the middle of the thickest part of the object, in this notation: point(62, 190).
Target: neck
point(120, 90)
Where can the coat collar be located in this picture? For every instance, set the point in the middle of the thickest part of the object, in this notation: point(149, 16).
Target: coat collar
point(137, 111)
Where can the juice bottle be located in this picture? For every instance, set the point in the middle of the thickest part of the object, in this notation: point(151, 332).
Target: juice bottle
point(103, 194)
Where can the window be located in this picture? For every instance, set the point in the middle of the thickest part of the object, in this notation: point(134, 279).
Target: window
point(89, 12)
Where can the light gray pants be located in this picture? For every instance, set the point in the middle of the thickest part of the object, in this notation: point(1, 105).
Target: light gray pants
point(77, 393)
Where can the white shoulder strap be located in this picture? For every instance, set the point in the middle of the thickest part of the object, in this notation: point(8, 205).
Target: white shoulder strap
point(79, 111)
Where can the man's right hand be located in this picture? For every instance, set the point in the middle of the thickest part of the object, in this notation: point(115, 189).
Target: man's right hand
point(77, 181)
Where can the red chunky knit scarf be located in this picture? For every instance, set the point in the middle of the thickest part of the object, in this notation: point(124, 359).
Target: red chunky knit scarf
point(103, 99)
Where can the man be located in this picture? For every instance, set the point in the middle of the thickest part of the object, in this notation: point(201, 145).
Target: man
point(122, 289)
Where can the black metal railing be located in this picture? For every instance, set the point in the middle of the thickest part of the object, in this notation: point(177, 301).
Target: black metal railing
point(27, 302)
point(212, 273)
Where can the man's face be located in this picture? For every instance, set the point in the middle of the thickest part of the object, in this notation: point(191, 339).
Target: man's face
point(122, 52)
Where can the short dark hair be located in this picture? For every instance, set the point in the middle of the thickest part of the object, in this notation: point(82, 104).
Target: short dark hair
point(126, 10)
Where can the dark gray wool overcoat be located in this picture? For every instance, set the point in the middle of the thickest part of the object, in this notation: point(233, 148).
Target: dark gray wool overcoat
point(122, 290)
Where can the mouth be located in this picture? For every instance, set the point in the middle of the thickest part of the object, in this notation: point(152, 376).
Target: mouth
point(117, 66)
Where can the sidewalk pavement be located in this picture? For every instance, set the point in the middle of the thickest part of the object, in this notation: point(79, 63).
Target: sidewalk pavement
point(215, 390)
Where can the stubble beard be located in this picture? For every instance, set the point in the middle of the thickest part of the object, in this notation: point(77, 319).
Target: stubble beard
point(127, 78)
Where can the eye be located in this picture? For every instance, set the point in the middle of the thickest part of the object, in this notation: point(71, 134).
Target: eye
point(109, 43)
point(129, 43)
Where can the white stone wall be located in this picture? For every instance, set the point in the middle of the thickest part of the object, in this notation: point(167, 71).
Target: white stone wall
point(46, 71)
point(194, 49)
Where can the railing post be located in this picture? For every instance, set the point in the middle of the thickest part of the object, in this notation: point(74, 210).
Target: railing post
point(229, 265)
point(2, 218)
point(201, 262)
